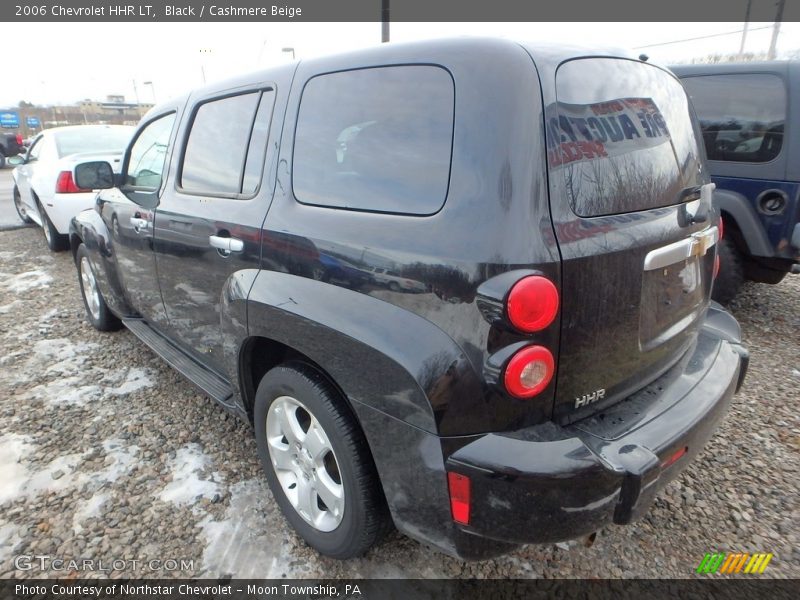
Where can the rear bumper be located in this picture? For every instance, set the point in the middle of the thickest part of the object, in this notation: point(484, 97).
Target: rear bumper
point(551, 483)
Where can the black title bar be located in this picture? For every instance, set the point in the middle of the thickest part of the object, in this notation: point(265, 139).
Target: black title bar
point(730, 588)
point(399, 10)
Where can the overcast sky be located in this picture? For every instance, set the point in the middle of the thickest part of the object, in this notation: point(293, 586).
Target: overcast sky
point(63, 63)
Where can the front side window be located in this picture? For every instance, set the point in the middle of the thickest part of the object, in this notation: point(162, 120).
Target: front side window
point(149, 152)
point(36, 149)
point(376, 139)
point(742, 115)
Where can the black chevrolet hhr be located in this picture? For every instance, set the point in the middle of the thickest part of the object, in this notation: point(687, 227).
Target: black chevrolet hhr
point(457, 286)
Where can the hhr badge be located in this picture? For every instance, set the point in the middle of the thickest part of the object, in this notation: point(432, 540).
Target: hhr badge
point(588, 399)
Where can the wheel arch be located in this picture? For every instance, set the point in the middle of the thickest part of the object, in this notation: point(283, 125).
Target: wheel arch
point(736, 211)
point(258, 355)
point(379, 355)
point(88, 228)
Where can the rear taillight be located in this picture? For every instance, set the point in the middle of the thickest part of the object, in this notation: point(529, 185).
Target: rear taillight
point(19, 140)
point(721, 228)
point(66, 185)
point(674, 457)
point(460, 492)
point(532, 303)
point(529, 371)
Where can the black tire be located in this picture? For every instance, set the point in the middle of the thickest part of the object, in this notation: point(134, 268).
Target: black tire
point(754, 271)
point(54, 240)
point(731, 272)
point(365, 517)
point(101, 317)
point(2, 160)
point(21, 211)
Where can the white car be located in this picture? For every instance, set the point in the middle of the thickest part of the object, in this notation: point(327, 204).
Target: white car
point(44, 187)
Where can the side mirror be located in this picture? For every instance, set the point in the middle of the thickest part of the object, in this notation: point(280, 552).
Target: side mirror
point(16, 161)
point(97, 175)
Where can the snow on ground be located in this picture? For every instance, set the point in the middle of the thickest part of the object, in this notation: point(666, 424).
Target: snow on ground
point(24, 282)
point(241, 544)
point(7, 308)
point(67, 390)
point(120, 459)
point(13, 473)
point(88, 509)
point(187, 469)
point(135, 379)
point(23, 480)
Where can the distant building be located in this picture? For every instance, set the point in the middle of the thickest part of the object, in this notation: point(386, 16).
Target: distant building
point(113, 110)
point(114, 105)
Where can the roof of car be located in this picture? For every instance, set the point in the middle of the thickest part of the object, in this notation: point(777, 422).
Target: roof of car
point(52, 130)
point(544, 53)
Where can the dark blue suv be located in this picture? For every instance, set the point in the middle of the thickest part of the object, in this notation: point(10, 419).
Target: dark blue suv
point(747, 112)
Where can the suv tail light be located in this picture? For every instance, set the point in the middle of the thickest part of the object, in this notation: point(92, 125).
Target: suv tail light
point(19, 140)
point(532, 303)
point(529, 371)
point(720, 233)
point(460, 497)
point(66, 185)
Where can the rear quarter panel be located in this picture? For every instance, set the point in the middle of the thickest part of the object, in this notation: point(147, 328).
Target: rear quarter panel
point(495, 219)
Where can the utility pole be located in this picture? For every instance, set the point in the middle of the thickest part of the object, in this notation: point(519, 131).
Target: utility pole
point(744, 30)
point(384, 21)
point(776, 30)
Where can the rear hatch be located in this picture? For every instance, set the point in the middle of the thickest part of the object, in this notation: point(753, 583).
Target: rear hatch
point(630, 200)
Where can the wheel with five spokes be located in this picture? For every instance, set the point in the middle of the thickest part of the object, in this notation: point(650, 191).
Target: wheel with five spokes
point(97, 311)
point(317, 462)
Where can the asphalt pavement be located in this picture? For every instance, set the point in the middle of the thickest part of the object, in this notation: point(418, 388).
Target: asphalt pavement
point(8, 214)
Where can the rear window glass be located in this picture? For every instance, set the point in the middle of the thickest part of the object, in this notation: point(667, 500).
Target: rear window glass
point(375, 139)
point(93, 139)
point(742, 116)
point(621, 136)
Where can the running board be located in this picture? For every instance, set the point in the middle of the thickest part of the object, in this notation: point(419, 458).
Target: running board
point(206, 381)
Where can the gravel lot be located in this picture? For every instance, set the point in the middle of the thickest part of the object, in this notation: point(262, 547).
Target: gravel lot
point(106, 453)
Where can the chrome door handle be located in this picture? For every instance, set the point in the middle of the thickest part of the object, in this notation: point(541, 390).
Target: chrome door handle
point(226, 244)
point(139, 224)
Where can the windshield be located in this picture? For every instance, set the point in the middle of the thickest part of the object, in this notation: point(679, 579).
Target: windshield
point(92, 139)
point(623, 138)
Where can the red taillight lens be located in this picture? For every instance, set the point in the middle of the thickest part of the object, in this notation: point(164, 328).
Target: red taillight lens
point(529, 371)
point(19, 140)
point(674, 457)
point(532, 303)
point(459, 497)
point(721, 228)
point(66, 185)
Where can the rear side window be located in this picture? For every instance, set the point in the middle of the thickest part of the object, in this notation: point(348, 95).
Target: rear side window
point(376, 139)
point(622, 137)
point(742, 115)
point(225, 150)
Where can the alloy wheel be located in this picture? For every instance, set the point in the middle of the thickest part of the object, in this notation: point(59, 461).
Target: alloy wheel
point(305, 463)
point(90, 292)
